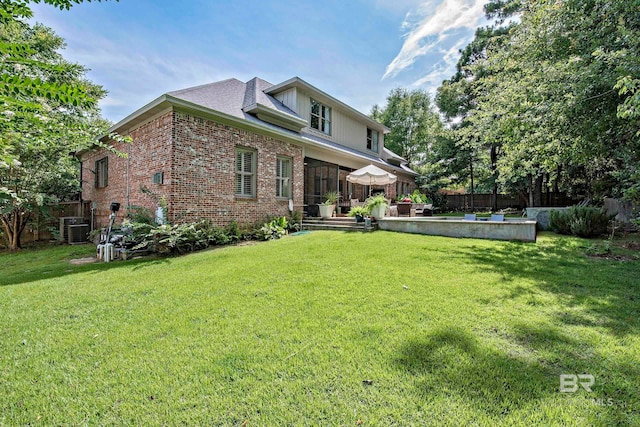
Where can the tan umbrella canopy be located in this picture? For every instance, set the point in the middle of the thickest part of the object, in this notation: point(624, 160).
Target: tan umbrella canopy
point(371, 175)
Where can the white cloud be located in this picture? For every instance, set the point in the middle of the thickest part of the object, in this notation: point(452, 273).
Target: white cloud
point(431, 28)
point(445, 68)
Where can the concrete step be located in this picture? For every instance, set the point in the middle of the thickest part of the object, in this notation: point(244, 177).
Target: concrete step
point(342, 224)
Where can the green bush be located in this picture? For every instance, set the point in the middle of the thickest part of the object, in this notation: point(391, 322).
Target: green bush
point(140, 214)
point(582, 221)
point(560, 222)
point(135, 232)
point(376, 200)
point(188, 237)
point(359, 211)
point(274, 229)
point(295, 221)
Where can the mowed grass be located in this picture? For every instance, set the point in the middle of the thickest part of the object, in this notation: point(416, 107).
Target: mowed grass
point(327, 328)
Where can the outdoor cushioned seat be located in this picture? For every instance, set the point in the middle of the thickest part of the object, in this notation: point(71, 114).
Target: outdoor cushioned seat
point(404, 209)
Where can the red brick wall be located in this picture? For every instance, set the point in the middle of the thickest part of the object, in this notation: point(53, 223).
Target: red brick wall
point(197, 157)
point(149, 152)
point(204, 182)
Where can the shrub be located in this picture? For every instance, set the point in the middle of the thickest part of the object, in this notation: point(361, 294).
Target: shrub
point(233, 232)
point(177, 239)
point(358, 211)
point(582, 221)
point(295, 221)
point(140, 214)
point(135, 232)
point(417, 197)
point(274, 229)
point(560, 222)
point(376, 200)
point(188, 237)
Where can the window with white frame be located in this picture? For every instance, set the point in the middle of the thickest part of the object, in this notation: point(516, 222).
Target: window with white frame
point(372, 140)
point(283, 177)
point(320, 117)
point(102, 172)
point(245, 172)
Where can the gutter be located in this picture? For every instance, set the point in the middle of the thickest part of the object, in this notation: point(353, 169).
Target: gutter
point(171, 101)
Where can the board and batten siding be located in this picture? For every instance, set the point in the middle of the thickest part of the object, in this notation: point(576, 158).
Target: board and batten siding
point(288, 98)
point(345, 130)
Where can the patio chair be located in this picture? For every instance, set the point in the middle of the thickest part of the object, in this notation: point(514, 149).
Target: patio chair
point(404, 209)
point(355, 202)
point(469, 217)
point(497, 217)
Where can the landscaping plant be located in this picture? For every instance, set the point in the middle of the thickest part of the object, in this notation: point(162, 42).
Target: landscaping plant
point(331, 198)
point(361, 211)
point(274, 229)
point(581, 221)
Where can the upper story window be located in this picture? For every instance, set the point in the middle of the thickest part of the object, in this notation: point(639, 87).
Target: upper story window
point(372, 140)
point(102, 172)
point(320, 117)
point(283, 177)
point(245, 172)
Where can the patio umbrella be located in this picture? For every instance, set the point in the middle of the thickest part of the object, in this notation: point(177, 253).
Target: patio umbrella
point(371, 175)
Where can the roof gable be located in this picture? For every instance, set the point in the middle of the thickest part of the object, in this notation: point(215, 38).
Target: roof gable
point(324, 97)
point(268, 108)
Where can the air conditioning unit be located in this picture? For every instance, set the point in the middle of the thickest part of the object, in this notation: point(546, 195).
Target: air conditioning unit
point(65, 222)
point(77, 233)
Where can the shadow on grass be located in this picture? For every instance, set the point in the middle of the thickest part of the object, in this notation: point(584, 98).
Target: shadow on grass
point(591, 292)
point(64, 268)
point(452, 364)
point(615, 388)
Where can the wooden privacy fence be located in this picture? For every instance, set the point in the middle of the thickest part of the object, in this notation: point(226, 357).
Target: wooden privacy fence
point(462, 202)
point(44, 228)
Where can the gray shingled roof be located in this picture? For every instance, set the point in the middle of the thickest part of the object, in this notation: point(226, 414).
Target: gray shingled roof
point(226, 96)
point(232, 96)
point(255, 94)
point(236, 98)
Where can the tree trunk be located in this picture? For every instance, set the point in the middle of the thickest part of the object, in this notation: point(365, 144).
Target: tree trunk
point(7, 225)
point(13, 225)
point(472, 189)
point(556, 186)
point(537, 195)
point(494, 174)
point(547, 190)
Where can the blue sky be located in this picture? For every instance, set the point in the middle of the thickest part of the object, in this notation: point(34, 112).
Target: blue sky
point(355, 50)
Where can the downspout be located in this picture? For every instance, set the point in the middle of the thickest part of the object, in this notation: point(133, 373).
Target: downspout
point(128, 181)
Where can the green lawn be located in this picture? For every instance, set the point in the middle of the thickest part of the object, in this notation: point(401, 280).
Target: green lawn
point(326, 328)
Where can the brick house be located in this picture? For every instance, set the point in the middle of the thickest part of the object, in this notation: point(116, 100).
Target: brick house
point(238, 151)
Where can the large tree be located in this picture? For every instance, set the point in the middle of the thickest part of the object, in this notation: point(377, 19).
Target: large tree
point(557, 91)
point(48, 109)
point(415, 125)
point(559, 95)
point(457, 99)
